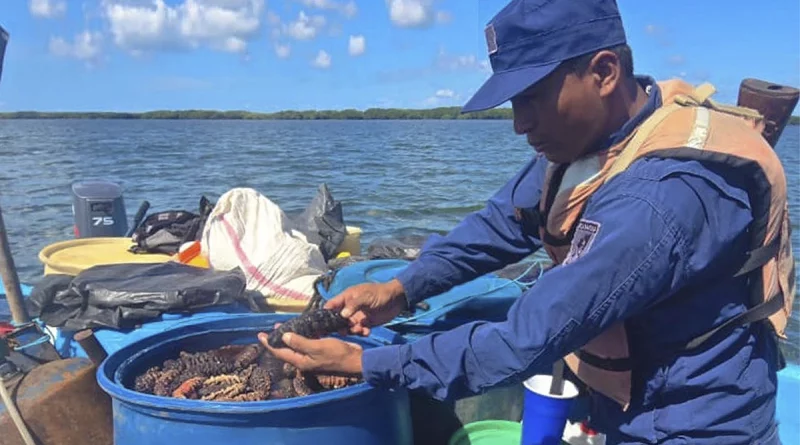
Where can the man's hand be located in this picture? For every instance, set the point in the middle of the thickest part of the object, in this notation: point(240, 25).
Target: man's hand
point(369, 304)
point(325, 355)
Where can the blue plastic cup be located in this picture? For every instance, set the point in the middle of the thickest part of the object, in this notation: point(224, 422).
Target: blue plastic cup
point(544, 415)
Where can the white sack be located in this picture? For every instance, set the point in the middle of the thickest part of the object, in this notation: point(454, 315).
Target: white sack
point(249, 231)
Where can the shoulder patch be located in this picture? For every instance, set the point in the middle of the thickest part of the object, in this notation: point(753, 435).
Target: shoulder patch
point(584, 237)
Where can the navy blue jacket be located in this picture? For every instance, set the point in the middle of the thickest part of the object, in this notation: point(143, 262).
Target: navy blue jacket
point(671, 233)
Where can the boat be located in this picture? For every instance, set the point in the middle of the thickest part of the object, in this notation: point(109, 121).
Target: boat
point(788, 414)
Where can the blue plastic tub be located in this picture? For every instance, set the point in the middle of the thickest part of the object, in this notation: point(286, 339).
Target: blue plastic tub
point(359, 414)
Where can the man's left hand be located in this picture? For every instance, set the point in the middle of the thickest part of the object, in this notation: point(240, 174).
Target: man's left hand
point(323, 355)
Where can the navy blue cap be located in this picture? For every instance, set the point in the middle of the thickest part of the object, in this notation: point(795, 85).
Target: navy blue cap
point(528, 39)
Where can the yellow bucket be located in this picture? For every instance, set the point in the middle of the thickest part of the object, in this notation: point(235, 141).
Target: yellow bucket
point(73, 256)
point(352, 242)
point(350, 246)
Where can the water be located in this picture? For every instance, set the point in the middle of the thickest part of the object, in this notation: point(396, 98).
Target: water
point(392, 177)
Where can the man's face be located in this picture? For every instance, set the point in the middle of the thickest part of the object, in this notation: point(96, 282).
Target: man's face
point(562, 115)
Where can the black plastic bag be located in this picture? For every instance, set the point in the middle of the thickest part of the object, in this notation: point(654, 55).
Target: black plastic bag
point(165, 232)
point(322, 222)
point(124, 295)
point(406, 247)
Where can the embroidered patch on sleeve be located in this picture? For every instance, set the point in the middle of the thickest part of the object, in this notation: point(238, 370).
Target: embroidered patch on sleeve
point(585, 234)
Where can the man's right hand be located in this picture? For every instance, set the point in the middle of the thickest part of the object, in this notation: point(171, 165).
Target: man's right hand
point(369, 304)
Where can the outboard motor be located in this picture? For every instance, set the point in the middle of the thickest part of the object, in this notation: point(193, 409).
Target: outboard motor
point(98, 209)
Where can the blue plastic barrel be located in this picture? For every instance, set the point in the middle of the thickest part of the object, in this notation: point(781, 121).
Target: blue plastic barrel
point(359, 414)
point(488, 297)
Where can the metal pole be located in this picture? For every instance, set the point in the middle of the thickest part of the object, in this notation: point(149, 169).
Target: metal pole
point(8, 272)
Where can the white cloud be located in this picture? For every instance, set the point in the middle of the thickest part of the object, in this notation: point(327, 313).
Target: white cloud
point(357, 45)
point(410, 13)
point(86, 46)
point(349, 9)
point(676, 59)
point(659, 34)
point(443, 62)
point(652, 29)
point(449, 62)
point(47, 8)
point(273, 19)
point(442, 96)
point(323, 60)
point(282, 51)
point(415, 13)
point(223, 25)
point(305, 27)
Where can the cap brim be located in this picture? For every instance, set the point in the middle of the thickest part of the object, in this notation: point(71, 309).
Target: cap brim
point(501, 87)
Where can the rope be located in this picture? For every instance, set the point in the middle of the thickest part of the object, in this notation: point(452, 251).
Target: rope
point(15, 415)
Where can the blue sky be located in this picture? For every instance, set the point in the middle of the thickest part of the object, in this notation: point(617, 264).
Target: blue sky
point(269, 55)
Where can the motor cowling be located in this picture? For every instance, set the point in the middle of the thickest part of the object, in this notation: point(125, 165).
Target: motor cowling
point(98, 209)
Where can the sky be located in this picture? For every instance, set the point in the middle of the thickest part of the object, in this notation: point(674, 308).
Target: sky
point(271, 55)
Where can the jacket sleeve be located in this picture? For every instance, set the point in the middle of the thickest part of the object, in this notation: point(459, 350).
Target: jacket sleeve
point(629, 253)
point(483, 242)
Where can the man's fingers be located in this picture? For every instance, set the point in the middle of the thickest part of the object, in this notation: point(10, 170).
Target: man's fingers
point(359, 318)
point(335, 303)
point(284, 354)
point(300, 344)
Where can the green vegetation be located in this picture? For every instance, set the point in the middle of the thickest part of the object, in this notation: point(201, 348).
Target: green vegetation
point(350, 114)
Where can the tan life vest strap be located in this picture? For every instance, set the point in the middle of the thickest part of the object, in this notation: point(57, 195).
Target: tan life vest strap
point(759, 257)
point(606, 364)
point(757, 313)
point(628, 155)
point(701, 96)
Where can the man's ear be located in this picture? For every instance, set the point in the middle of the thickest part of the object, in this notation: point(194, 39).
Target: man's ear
point(606, 71)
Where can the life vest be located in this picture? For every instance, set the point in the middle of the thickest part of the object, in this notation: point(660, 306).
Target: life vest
point(689, 125)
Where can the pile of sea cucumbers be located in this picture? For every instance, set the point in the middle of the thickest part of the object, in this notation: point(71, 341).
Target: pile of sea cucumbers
point(244, 373)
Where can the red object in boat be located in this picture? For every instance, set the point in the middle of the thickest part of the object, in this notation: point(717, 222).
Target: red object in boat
point(6, 328)
point(586, 430)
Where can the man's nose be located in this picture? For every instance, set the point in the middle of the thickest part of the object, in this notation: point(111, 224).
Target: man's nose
point(523, 122)
point(524, 119)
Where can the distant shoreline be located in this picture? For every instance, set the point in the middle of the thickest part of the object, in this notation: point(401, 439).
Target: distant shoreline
point(442, 113)
point(448, 113)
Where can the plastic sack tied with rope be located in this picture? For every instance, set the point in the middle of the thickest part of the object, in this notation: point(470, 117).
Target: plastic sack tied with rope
point(248, 231)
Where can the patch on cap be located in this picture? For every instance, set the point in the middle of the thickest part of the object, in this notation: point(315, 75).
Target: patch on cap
point(491, 39)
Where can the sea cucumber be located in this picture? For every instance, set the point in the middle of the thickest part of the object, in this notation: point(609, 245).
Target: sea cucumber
point(312, 324)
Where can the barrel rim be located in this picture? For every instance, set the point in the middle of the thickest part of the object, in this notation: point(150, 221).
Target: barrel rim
point(130, 353)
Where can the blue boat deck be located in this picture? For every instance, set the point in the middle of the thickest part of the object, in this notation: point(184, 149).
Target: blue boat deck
point(788, 403)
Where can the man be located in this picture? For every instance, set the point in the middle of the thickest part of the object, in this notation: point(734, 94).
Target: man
point(667, 221)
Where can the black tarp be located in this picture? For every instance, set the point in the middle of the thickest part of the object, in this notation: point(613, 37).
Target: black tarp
point(124, 295)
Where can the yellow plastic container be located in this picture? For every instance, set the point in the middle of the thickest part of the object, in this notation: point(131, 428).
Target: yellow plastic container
point(73, 256)
point(352, 242)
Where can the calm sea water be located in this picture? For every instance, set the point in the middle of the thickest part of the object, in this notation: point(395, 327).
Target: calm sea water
point(393, 177)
